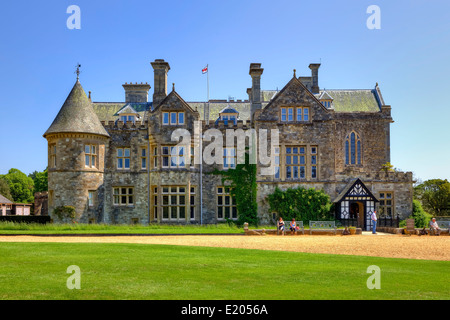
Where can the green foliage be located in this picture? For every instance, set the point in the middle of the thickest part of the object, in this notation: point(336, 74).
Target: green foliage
point(40, 180)
point(4, 189)
point(301, 203)
point(421, 218)
point(387, 167)
point(434, 195)
point(65, 212)
point(242, 182)
point(21, 186)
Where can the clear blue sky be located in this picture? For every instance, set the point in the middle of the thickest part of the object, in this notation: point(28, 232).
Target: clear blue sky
point(409, 57)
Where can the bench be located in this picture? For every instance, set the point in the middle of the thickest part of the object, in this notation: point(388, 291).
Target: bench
point(322, 225)
point(442, 224)
point(286, 227)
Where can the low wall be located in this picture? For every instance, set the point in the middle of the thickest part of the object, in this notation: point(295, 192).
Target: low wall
point(299, 233)
point(402, 230)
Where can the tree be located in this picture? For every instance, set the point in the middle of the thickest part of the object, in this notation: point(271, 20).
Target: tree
point(421, 218)
point(434, 195)
point(21, 186)
point(300, 204)
point(242, 182)
point(4, 189)
point(40, 180)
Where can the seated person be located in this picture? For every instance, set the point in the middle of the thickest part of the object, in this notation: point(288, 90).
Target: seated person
point(293, 226)
point(434, 227)
point(281, 225)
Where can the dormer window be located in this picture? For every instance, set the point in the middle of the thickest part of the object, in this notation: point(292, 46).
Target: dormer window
point(128, 114)
point(228, 114)
point(326, 103)
point(128, 118)
point(326, 99)
point(227, 118)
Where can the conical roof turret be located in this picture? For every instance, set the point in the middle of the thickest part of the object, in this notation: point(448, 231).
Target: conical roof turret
point(77, 115)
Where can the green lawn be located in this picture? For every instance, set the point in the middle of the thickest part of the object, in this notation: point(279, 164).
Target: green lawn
point(35, 271)
point(79, 228)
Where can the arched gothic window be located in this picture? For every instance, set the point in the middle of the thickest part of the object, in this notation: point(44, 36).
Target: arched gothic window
point(353, 149)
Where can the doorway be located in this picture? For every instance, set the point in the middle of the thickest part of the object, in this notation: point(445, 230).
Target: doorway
point(357, 213)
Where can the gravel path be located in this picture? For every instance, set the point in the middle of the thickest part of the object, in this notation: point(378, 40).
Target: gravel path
point(389, 246)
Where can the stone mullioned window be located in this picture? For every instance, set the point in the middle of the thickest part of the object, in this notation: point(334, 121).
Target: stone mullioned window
point(226, 204)
point(173, 118)
point(353, 149)
point(90, 156)
point(294, 114)
point(173, 157)
point(123, 196)
point(123, 158)
point(297, 167)
point(386, 207)
point(173, 203)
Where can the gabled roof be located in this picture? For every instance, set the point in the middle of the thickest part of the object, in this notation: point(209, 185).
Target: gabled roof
point(325, 96)
point(77, 115)
point(293, 81)
point(5, 200)
point(228, 109)
point(127, 109)
point(174, 94)
point(355, 188)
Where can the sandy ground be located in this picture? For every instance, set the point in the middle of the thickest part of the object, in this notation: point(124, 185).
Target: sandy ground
point(390, 246)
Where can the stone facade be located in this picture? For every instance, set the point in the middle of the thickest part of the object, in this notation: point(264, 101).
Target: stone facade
point(142, 175)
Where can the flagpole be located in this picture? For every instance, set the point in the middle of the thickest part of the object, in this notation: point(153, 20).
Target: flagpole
point(207, 77)
point(201, 148)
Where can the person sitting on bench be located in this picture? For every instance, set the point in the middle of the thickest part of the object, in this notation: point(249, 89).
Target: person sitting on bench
point(293, 226)
point(434, 227)
point(281, 225)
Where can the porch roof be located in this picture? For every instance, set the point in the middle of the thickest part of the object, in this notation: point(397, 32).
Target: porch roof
point(350, 190)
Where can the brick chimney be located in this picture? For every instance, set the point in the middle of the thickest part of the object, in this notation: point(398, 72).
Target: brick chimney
point(315, 77)
point(161, 68)
point(255, 93)
point(136, 92)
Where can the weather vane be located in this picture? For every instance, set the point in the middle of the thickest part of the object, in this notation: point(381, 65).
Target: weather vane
point(78, 70)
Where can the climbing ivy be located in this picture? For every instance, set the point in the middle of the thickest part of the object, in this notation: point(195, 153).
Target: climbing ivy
point(242, 182)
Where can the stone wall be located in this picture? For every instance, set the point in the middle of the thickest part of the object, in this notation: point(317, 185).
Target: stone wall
point(41, 203)
point(70, 181)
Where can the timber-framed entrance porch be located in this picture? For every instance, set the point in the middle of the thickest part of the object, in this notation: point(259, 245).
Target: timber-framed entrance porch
point(355, 204)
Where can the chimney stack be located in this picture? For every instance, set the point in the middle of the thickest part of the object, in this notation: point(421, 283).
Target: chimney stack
point(255, 93)
point(136, 92)
point(161, 68)
point(315, 77)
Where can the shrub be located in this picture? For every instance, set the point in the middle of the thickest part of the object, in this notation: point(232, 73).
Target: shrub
point(421, 218)
point(301, 203)
point(64, 213)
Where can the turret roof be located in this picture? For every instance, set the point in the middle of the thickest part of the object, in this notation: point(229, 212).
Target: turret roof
point(77, 115)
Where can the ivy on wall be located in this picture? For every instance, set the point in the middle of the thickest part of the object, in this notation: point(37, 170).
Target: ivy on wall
point(242, 182)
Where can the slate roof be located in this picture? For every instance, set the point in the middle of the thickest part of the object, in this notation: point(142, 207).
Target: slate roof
point(5, 200)
point(356, 100)
point(344, 101)
point(77, 115)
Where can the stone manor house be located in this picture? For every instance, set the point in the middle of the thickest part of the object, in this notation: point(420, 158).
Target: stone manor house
point(115, 162)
